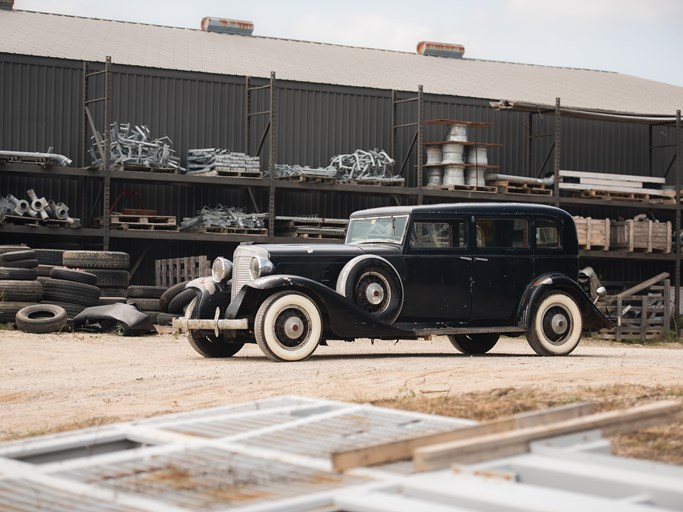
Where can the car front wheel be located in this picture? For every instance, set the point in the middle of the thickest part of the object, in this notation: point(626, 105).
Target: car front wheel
point(288, 326)
point(208, 344)
point(479, 343)
point(556, 326)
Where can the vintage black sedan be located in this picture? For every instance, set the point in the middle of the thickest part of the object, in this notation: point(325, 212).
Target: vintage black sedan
point(472, 272)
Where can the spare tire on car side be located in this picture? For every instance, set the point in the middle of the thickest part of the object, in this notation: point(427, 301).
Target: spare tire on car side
point(373, 284)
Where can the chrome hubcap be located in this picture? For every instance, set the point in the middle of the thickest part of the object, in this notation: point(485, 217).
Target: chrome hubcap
point(374, 294)
point(293, 327)
point(559, 324)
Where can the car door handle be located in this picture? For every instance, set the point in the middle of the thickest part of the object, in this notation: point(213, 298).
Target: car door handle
point(466, 258)
point(481, 259)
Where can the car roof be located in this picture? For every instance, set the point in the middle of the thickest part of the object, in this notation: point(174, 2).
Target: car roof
point(454, 208)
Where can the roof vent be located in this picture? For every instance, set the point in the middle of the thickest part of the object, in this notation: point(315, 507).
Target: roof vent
point(430, 49)
point(6, 5)
point(223, 26)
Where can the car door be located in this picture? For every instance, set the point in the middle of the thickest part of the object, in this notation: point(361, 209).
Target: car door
point(437, 271)
point(502, 267)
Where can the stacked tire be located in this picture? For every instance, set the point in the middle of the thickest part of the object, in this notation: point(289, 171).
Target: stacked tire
point(74, 290)
point(109, 267)
point(146, 298)
point(173, 302)
point(19, 286)
point(47, 260)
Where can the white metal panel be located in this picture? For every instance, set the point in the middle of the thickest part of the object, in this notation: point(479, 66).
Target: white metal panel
point(68, 37)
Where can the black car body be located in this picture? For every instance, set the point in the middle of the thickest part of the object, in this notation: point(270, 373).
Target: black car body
point(468, 271)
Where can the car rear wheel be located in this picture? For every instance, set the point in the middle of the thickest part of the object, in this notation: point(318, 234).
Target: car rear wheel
point(556, 326)
point(288, 326)
point(474, 343)
point(208, 344)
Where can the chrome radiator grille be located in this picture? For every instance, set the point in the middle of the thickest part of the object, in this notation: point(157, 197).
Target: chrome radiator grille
point(240, 266)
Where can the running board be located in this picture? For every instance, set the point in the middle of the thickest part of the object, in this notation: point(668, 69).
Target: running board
point(442, 331)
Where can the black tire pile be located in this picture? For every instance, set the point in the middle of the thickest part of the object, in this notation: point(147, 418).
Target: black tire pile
point(19, 285)
point(72, 289)
point(173, 302)
point(109, 267)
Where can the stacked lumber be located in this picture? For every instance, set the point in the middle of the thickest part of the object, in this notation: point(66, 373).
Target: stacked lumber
point(614, 186)
point(506, 437)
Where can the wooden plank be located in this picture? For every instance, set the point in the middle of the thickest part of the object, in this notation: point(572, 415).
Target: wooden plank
point(606, 188)
point(598, 175)
point(645, 284)
point(514, 442)
point(403, 449)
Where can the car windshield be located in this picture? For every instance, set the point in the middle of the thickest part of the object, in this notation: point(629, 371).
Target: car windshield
point(377, 229)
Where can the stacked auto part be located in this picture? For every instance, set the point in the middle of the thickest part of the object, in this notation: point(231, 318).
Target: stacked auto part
point(35, 210)
point(224, 219)
point(134, 147)
point(222, 162)
point(361, 166)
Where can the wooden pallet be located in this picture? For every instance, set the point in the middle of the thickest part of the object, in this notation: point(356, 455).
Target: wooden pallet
point(35, 221)
point(613, 195)
point(238, 173)
point(507, 187)
point(143, 226)
point(145, 168)
point(305, 178)
point(464, 188)
point(220, 230)
point(176, 270)
point(379, 182)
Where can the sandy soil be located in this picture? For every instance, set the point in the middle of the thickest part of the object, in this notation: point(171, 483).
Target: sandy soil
point(54, 382)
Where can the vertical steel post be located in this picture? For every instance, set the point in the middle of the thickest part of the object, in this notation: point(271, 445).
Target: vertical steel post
point(106, 199)
point(420, 143)
point(272, 156)
point(527, 153)
point(392, 142)
point(84, 91)
point(679, 172)
point(558, 152)
point(247, 107)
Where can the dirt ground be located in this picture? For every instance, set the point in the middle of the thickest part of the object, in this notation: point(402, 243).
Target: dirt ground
point(55, 382)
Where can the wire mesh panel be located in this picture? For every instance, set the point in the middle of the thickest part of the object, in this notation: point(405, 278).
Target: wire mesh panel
point(208, 478)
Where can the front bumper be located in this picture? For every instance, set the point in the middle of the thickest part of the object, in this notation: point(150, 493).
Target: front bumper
point(215, 324)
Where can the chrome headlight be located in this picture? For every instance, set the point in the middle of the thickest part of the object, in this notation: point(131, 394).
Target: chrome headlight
point(221, 270)
point(260, 267)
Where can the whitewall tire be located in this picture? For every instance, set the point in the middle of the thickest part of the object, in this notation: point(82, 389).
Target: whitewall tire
point(288, 326)
point(556, 326)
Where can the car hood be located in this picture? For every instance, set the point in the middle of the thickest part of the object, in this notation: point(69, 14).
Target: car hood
point(350, 251)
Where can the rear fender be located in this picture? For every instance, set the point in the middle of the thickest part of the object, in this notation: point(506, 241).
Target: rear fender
point(210, 295)
point(542, 285)
point(343, 319)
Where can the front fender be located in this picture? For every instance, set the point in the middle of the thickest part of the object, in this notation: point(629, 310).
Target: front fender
point(343, 319)
point(592, 317)
point(210, 295)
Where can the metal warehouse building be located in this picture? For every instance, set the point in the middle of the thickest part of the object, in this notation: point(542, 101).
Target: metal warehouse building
point(204, 89)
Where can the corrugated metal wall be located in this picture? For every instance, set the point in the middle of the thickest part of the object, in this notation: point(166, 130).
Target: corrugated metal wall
point(40, 102)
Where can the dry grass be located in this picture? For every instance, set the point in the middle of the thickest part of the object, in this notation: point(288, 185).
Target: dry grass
point(663, 443)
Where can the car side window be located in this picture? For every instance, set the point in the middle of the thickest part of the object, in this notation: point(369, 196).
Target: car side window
point(502, 233)
point(547, 234)
point(438, 234)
